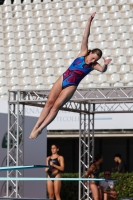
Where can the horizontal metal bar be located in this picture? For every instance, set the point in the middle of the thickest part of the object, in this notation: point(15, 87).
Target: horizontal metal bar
point(82, 111)
point(96, 135)
point(50, 179)
point(82, 100)
point(113, 111)
point(78, 89)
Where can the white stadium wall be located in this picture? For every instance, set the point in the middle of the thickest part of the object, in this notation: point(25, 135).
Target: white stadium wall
point(39, 41)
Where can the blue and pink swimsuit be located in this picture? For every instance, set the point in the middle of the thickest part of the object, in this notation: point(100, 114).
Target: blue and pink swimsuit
point(76, 72)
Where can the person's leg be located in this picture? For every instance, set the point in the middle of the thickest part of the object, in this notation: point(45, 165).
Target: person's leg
point(100, 193)
point(50, 189)
point(64, 96)
point(53, 95)
point(57, 188)
point(95, 192)
point(105, 196)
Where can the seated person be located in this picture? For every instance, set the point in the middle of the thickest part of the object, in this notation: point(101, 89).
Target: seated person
point(107, 187)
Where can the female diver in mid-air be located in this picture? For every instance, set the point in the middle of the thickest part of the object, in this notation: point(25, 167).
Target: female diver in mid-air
point(65, 86)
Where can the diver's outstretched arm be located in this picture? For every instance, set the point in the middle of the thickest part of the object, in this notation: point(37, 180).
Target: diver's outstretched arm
point(84, 44)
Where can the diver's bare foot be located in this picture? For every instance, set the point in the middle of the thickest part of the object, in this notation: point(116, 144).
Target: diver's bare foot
point(34, 134)
point(33, 130)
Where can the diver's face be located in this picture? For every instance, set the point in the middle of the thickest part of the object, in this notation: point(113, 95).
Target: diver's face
point(54, 149)
point(93, 57)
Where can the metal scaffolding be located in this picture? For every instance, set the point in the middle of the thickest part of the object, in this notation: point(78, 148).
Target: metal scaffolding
point(15, 145)
point(86, 102)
